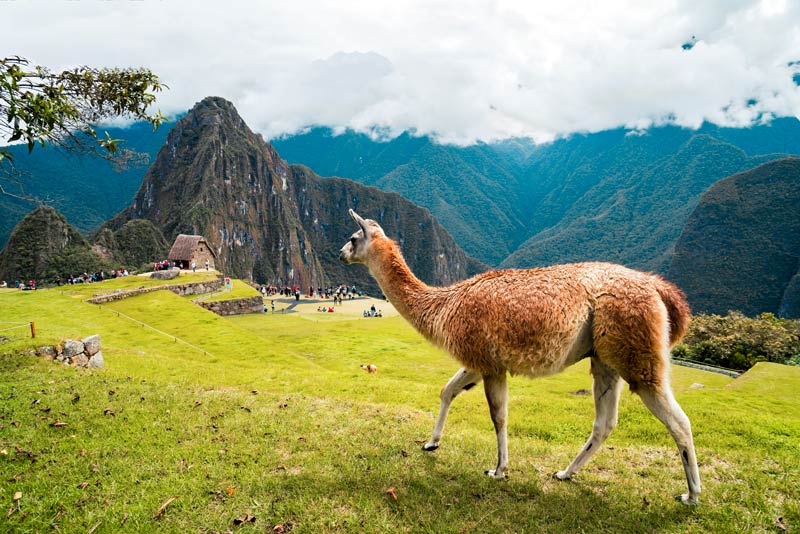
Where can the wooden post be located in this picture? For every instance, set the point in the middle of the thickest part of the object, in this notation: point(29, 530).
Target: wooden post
point(33, 329)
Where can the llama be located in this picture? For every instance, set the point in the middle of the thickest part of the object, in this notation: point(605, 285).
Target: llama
point(537, 322)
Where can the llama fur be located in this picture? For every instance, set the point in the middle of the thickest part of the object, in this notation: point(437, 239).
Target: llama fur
point(537, 322)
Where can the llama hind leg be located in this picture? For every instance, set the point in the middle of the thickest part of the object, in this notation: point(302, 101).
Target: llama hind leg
point(463, 380)
point(606, 388)
point(496, 389)
point(664, 406)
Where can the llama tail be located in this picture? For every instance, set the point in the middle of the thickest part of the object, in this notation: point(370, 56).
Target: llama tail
point(677, 308)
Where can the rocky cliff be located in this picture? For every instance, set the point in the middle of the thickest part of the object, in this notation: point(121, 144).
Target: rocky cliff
point(273, 222)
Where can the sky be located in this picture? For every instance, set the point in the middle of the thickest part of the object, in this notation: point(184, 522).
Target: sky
point(460, 71)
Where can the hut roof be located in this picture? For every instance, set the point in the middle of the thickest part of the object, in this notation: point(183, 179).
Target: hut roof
point(184, 246)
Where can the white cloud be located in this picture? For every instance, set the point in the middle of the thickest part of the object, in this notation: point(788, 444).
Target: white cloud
point(459, 70)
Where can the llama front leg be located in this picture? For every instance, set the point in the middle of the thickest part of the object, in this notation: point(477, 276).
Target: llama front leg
point(463, 380)
point(496, 388)
point(606, 388)
point(664, 406)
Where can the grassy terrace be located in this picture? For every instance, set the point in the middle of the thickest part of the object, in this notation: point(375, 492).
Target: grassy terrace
point(239, 289)
point(276, 420)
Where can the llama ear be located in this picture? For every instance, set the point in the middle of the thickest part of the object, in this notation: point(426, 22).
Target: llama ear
point(361, 222)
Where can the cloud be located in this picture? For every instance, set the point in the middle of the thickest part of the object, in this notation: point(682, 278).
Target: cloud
point(458, 70)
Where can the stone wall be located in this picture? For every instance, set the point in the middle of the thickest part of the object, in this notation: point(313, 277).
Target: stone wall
point(235, 306)
point(194, 288)
point(85, 353)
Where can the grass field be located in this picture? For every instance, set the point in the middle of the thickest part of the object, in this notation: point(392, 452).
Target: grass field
point(271, 417)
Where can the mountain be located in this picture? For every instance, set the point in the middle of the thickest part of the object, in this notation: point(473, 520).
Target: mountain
point(470, 190)
point(270, 221)
point(740, 248)
point(87, 190)
point(136, 244)
point(626, 202)
point(616, 195)
point(44, 245)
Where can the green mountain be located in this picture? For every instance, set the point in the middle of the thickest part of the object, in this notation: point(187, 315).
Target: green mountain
point(87, 190)
point(615, 195)
point(470, 190)
point(44, 245)
point(740, 248)
point(628, 205)
point(270, 221)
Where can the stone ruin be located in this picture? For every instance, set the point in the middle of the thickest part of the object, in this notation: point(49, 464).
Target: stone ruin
point(85, 353)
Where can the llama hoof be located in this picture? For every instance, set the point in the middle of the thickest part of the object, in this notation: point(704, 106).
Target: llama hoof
point(562, 475)
point(688, 499)
point(430, 446)
point(493, 473)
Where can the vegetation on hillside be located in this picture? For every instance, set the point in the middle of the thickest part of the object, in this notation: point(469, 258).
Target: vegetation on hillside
point(86, 190)
point(738, 342)
point(139, 243)
point(44, 245)
point(740, 247)
point(615, 195)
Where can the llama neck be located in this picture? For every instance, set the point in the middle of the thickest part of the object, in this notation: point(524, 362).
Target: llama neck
point(407, 293)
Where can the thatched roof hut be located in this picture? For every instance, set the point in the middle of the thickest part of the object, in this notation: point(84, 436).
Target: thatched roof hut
point(189, 248)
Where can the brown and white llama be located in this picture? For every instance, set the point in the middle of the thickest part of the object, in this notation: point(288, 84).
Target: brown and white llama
point(537, 322)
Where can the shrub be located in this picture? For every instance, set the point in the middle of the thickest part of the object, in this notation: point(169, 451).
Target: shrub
point(739, 342)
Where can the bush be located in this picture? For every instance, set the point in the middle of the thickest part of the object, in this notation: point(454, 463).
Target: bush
point(739, 342)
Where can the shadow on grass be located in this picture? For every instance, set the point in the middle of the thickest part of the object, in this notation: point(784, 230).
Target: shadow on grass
point(430, 500)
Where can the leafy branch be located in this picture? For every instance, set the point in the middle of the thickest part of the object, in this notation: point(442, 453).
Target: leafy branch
point(38, 106)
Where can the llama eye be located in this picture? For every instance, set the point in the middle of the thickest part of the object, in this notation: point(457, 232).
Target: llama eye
point(353, 240)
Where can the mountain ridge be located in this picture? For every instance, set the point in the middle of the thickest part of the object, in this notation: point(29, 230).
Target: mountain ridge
point(265, 218)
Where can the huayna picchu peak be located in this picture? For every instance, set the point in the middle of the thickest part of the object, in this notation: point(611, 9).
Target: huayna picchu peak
point(270, 221)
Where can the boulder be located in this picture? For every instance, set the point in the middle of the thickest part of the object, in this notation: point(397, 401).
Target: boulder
point(91, 345)
point(166, 275)
point(96, 361)
point(80, 360)
point(72, 347)
point(48, 352)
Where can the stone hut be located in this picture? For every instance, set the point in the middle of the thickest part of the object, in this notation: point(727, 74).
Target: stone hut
point(188, 248)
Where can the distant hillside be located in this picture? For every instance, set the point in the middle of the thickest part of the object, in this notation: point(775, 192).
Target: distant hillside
point(86, 190)
point(44, 245)
point(270, 221)
point(470, 190)
point(740, 248)
point(615, 195)
point(626, 203)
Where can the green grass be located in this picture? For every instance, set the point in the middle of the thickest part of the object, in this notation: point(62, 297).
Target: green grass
point(239, 289)
point(276, 408)
point(131, 282)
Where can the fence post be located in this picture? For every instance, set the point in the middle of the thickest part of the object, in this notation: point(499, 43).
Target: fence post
point(33, 329)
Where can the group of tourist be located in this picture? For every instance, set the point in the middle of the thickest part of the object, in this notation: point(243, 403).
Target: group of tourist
point(372, 312)
point(88, 278)
point(84, 278)
point(338, 293)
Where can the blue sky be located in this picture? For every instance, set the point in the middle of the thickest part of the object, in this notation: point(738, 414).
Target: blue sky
point(461, 71)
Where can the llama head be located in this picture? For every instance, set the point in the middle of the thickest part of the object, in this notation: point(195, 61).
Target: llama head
point(356, 249)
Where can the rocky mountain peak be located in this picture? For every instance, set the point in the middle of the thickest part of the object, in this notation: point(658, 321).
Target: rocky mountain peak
point(268, 221)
